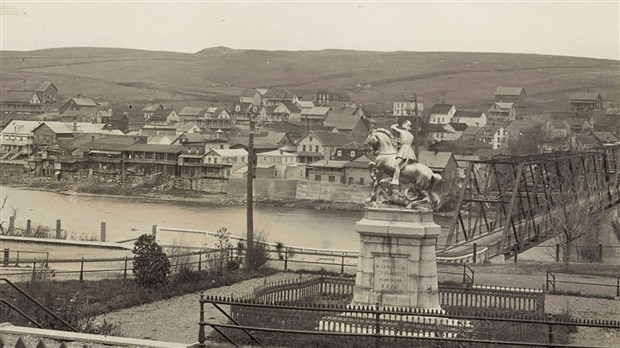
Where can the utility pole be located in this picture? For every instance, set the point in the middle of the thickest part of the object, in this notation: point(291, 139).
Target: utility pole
point(250, 192)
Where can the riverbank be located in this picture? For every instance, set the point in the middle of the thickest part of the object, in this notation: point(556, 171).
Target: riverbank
point(170, 195)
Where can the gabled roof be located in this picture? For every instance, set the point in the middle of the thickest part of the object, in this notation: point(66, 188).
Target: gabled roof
point(435, 160)
point(279, 153)
point(17, 96)
point(155, 148)
point(441, 109)
point(248, 93)
point(317, 111)
point(354, 145)
point(215, 112)
point(193, 137)
point(162, 113)
point(83, 102)
point(162, 139)
point(328, 164)
point(228, 152)
point(279, 93)
point(342, 122)
point(587, 96)
point(504, 105)
point(472, 131)
point(190, 111)
point(304, 104)
point(605, 137)
point(435, 128)
point(75, 127)
point(293, 108)
point(513, 91)
point(459, 127)
point(24, 85)
point(152, 107)
point(576, 122)
point(468, 113)
point(20, 127)
point(329, 138)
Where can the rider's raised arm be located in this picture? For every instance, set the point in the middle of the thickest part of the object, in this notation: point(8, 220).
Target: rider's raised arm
point(395, 128)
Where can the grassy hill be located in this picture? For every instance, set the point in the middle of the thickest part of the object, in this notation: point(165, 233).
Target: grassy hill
point(219, 74)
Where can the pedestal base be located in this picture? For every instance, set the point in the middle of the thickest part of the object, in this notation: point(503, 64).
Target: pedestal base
point(397, 265)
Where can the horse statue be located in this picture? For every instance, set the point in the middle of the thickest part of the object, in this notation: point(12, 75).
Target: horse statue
point(421, 177)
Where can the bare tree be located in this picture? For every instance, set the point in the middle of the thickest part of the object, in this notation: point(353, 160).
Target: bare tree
point(578, 213)
point(4, 199)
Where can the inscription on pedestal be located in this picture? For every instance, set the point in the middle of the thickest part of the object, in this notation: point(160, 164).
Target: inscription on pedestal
point(390, 273)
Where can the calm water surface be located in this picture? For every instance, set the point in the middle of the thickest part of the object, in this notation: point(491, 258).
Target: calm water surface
point(126, 219)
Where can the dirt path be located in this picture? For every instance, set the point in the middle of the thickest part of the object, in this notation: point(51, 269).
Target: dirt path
point(176, 319)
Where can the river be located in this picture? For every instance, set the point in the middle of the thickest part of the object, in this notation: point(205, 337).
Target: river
point(125, 219)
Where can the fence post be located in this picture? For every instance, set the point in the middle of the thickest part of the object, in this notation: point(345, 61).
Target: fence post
point(11, 225)
point(199, 261)
point(618, 286)
point(201, 323)
point(286, 259)
point(102, 232)
point(516, 249)
point(28, 226)
point(125, 270)
point(557, 252)
point(17, 259)
point(34, 268)
point(475, 252)
point(58, 229)
point(6, 257)
point(154, 232)
point(549, 320)
point(342, 264)
point(600, 253)
point(82, 270)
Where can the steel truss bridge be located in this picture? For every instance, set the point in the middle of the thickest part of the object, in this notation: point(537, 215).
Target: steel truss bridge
point(508, 204)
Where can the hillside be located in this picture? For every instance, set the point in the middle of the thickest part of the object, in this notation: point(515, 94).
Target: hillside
point(220, 73)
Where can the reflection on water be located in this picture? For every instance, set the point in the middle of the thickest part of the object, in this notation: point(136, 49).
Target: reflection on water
point(126, 219)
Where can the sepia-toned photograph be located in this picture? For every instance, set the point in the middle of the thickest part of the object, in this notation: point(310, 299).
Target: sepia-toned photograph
point(383, 174)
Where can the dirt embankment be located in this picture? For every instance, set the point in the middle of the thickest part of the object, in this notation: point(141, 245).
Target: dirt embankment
point(163, 193)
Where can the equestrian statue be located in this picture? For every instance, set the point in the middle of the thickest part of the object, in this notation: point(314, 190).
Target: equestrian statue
point(396, 158)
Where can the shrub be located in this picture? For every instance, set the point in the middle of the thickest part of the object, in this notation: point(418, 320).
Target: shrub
point(259, 256)
point(150, 264)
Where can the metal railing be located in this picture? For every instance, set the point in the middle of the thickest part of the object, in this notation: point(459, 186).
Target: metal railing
point(583, 288)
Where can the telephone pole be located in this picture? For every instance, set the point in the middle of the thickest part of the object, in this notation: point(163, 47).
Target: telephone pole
point(250, 192)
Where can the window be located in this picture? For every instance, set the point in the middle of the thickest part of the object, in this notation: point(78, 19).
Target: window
point(317, 178)
point(339, 153)
point(332, 178)
point(303, 148)
point(208, 159)
point(350, 180)
point(221, 147)
point(361, 180)
point(311, 138)
point(317, 148)
point(215, 160)
point(352, 153)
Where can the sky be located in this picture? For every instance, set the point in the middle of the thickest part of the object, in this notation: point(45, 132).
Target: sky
point(584, 29)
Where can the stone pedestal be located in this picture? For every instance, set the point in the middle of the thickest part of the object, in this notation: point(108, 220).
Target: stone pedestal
point(397, 266)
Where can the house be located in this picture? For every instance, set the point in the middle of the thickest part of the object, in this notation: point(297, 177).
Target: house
point(162, 117)
point(441, 132)
point(349, 151)
point(278, 164)
point(149, 109)
point(120, 121)
point(46, 91)
point(242, 112)
point(514, 95)
point(326, 97)
point(17, 139)
point(81, 110)
point(218, 118)
point(519, 127)
point(21, 102)
point(216, 140)
point(459, 128)
point(587, 101)
point(295, 130)
point(264, 141)
point(410, 107)
point(442, 163)
point(252, 96)
point(319, 144)
point(293, 111)
point(502, 112)
point(348, 121)
point(219, 164)
point(357, 170)
point(148, 159)
point(604, 137)
point(102, 155)
point(190, 114)
point(471, 133)
point(277, 112)
point(314, 117)
point(275, 95)
point(442, 113)
point(578, 125)
point(473, 118)
point(556, 129)
point(462, 162)
point(191, 160)
point(189, 127)
point(494, 134)
point(149, 130)
point(459, 147)
point(327, 170)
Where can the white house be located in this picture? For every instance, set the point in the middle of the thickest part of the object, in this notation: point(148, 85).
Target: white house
point(472, 118)
point(442, 113)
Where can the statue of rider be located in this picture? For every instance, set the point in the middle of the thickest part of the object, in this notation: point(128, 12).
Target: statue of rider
point(405, 154)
